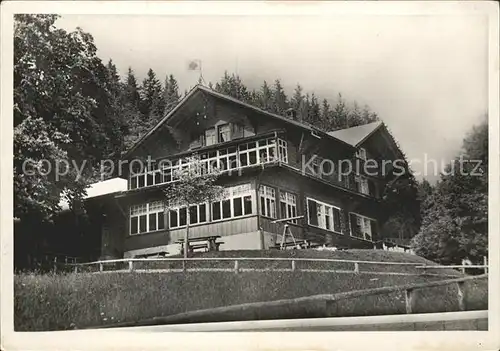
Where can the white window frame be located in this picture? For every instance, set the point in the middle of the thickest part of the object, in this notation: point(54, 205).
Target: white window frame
point(146, 209)
point(231, 193)
point(220, 132)
point(325, 214)
point(266, 151)
point(267, 197)
point(365, 226)
point(290, 201)
point(210, 136)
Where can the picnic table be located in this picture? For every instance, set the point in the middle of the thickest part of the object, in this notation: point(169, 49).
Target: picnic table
point(153, 254)
point(209, 243)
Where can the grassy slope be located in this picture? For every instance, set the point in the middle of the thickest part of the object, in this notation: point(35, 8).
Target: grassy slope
point(48, 302)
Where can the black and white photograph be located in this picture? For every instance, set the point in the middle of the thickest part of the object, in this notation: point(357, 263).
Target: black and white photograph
point(273, 167)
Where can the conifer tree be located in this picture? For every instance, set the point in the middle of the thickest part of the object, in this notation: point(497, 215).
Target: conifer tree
point(340, 114)
point(280, 100)
point(355, 116)
point(314, 111)
point(152, 104)
point(266, 97)
point(325, 115)
point(171, 93)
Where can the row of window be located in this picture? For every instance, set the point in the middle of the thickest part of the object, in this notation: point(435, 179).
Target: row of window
point(231, 158)
point(238, 202)
point(329, 217)
point(320, 214)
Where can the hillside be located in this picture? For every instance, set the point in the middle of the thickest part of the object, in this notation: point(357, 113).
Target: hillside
point(51, 302)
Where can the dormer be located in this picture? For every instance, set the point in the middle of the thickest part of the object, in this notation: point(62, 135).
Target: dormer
point(221, 132)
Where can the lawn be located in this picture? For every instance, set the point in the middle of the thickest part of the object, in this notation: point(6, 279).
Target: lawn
point(65, 301)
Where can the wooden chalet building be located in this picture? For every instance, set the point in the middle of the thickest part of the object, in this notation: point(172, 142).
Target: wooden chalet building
point(272, 165)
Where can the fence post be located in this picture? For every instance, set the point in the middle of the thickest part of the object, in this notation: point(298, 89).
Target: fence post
point(55, 264)
point(236, 268)
point(76, 269)
point(101, 267)
point(461, 295)
point(409, 296)
point(463, 270)
point(356, 267)
point(130, 266)
point(331, 308)
point(293, 265)
point(485, 263)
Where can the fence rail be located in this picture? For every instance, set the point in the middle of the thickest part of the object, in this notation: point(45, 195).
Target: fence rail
point(461, 267)
point(290, 264)
point(330, 301)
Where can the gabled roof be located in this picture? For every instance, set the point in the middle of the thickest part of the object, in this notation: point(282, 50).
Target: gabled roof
point(356, 135)
point(214, 93)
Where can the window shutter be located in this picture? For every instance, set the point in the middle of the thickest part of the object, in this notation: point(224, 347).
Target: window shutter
point(372, 189)
point(337, 226)
point(352, 222)
point(374, 230)
point(355, 230)
point(312, 210)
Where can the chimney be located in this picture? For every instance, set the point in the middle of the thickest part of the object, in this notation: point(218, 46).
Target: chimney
point(291, 113)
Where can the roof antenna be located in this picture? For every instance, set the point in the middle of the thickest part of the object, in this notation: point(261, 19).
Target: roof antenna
point(195, 65)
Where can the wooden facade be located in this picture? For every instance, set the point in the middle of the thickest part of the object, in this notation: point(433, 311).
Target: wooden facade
point(273, 175)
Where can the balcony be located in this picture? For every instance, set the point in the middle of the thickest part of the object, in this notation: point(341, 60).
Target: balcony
point(234, 157)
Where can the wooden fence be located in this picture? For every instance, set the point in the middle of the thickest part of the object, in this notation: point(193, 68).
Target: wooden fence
point(328, 301)
point(130, 265)
point(409, 290)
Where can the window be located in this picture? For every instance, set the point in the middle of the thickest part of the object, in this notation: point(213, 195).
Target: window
point(237, 203)
point(147, 217)
point(224, 133)
point(362, 227)
point(361, 153)
point(362, 185)
point(238, 131)
point(282, 149)
point(288, 205)
point(323, 215)
point(267, 197)
point(197, 214)
point(210, 137)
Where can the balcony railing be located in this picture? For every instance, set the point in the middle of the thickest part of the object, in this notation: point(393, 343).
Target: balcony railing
point(231, 158)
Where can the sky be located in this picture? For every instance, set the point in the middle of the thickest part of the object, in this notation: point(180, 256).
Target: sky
point(425, 76)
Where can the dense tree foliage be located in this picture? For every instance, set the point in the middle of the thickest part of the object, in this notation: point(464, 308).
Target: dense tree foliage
point(64, 114)
point(455, 211)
